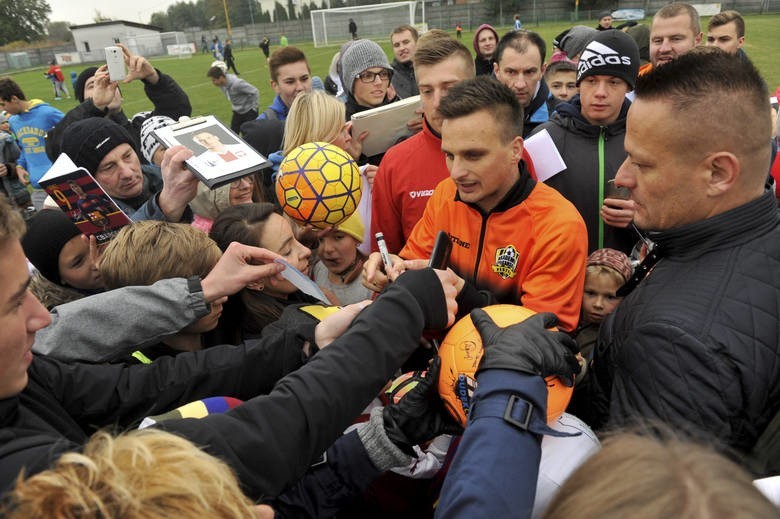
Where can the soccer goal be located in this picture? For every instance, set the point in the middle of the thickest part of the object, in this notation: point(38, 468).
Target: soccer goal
point(331, 26)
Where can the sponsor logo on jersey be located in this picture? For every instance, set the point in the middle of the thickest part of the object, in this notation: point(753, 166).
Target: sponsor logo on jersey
point(421, 194)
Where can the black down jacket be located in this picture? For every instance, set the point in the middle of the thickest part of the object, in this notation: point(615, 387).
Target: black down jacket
point(697, 344)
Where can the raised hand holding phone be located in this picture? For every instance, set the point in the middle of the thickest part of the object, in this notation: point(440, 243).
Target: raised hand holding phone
point(115, 60)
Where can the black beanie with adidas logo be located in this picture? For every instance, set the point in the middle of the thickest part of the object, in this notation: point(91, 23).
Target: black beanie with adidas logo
point(611, 53)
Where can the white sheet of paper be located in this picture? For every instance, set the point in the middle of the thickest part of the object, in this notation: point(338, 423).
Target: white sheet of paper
point(547, 159)
point(302, 282)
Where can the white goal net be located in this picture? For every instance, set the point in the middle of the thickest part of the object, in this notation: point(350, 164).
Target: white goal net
point(331, 26)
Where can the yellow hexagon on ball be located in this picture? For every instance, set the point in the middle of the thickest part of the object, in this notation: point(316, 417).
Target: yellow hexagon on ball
point(318, 184)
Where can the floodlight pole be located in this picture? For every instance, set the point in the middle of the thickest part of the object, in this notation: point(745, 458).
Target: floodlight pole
point(227, 18)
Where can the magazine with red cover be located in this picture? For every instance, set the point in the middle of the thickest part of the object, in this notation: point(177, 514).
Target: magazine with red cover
point(80, 196)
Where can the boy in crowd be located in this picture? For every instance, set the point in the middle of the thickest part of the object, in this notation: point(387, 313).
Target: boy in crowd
point(59, 80)
point(290, 75)
point(561, 78)
point(29, 121)
point(606, 270)
point(588, 132)
point(243, 96)
point(149, 251)
point(11, 180)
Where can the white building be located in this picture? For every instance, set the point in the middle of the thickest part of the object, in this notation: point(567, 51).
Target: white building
point(92, 38)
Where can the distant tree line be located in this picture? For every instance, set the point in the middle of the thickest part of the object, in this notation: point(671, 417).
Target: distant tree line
point(23, 21)
point(211, 13)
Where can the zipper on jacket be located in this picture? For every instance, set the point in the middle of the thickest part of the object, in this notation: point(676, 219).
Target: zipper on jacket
point(481, 244)
point(601, 187)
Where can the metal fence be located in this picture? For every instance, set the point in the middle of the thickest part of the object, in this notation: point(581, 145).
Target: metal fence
point(439, 16)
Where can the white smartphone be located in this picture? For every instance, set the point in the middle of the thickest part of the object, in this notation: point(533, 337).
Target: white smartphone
point(115, 59)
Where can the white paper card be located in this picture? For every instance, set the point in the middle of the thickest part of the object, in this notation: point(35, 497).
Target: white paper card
point(301, 281)
point(547, 160)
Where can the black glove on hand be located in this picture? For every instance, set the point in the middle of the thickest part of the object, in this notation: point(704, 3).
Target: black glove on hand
point(420, 415)
point(528, 347)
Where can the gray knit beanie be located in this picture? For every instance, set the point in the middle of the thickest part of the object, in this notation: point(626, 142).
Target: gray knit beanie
point(361, 55)
point(576, 40)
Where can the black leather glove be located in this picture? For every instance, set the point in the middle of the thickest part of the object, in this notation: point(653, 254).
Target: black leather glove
point(528, 347)
point(420, 415)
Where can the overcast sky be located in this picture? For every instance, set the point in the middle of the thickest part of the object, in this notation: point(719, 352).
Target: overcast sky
point(133, 11)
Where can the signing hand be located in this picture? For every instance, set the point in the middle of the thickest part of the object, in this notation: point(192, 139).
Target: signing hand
point(331, 328)
point(374, 276)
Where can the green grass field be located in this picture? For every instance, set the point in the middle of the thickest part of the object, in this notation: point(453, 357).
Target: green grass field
point(762, 45)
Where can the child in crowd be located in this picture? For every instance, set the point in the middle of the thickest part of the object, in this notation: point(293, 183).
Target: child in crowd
point(561, 77)
point(606, 271)
point(65, 261)
point(10, 179)
point(30, 121)
point(58, 78)
point(317, 116)
point(338, 271)
point(146, 252)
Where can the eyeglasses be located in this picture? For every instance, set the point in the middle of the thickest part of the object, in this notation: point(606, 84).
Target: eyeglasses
point(249, 180)
point(369, 77)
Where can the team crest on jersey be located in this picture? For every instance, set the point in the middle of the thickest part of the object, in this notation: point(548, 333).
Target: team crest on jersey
point(506, 262)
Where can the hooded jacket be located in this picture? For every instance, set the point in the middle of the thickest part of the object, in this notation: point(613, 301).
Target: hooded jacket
point(593, 155)
point(276, 110)
point(484, 67)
